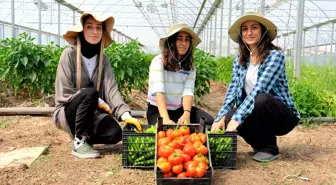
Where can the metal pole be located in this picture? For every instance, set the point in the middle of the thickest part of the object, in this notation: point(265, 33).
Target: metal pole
point(59, 24)
point(293, 48)
point(210, 43)
point(3, 30)
point(262, 7)
point(221, 30)
point(215, 37)
point(13, 18)
point(303, 43)
point(39, 23)
point(242, 7)
point(298, 44)
point(277, 41)
point(73, 17)
point(207, 37)
point(316, 43)
point(229, 24)
point(203, 39)
point(332, 38)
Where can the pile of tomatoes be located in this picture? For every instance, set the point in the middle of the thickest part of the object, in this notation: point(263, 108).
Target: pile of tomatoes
point(181, 154)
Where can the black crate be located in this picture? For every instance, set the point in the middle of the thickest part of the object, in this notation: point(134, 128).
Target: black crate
point(144, 147)
point(223, 149)
point(206, 180)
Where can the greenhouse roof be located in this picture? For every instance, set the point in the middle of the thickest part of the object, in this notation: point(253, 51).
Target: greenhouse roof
point(148, 20)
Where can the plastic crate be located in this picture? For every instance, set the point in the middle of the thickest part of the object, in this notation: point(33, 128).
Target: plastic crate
point(206, 180)
point(223, 149)
point(143, 147)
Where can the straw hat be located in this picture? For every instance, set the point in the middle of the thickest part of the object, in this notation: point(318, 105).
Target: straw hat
point(71, 35)
point(252, 16)
point(177, 28)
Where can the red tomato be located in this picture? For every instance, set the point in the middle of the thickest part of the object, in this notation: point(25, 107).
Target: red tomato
point(202, 150)
point(173, 144)
point(182, 175)
point(189, 140)
point(177, 169)
point(164, 166)
point(186, 157)
point(191, 168)
point(175, 158)
point(181, 141)
point(185, 165)
point(185, 130)
point(203, 165)
point(196, 169)
point(202, 137)
point(165, 151)
point(176, 133)
point(161, 134)
point(164, 141)
point(189, 150)
point(169, 132)
point(200, 158)
point(197, 144)
point(162, 159)
point(169, 174)
point(200, 172)
point(179, 151)
point(195, 137)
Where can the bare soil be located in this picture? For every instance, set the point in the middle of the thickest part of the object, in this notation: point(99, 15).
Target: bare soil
point(307, 152)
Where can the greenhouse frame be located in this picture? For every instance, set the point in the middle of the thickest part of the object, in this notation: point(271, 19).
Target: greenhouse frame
point(306, 28)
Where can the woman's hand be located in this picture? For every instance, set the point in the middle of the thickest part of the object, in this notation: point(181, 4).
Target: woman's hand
point(217, 125)
point(232, 126)
point(167, 121)
point(185, 118)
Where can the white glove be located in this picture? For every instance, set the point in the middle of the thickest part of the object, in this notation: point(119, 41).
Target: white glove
point(125, 116)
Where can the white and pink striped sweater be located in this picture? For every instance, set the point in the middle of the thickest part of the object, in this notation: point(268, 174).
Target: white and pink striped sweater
point(174, 85)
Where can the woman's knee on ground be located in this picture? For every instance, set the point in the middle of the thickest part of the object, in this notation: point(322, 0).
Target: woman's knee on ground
point(262, 99)
point(209, 120)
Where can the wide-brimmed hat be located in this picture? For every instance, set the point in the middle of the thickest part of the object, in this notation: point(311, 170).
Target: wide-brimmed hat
point(71, 35)
point(195, 40)
point(234, 30)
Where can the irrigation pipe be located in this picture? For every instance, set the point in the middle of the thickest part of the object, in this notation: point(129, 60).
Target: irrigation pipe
point(48, 111)
point(134, 113)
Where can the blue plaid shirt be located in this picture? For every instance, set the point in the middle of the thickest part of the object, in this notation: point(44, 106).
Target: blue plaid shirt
point(271, 79)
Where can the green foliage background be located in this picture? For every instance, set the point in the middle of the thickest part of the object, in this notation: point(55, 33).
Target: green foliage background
point(30, 67)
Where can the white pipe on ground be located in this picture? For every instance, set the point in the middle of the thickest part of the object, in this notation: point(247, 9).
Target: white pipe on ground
point(48, 111)
point(134, 113)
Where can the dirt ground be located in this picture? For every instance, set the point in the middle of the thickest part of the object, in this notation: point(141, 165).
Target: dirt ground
point(307, 152)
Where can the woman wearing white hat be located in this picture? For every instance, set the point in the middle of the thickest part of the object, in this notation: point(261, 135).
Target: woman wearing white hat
point(172, 79)
point(258, 103)
point(87, 98)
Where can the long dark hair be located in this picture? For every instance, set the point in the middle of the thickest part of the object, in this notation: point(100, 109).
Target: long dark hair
point(263, 47)
point(170, 63)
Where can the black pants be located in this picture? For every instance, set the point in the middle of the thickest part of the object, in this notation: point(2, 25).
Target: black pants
point(195, 115)
point(80, 114)
point(270, 118)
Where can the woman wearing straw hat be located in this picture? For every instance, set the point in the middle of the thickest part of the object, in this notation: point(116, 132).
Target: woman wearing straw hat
point(172, 79)
point(258, 103)
point(87, 98)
